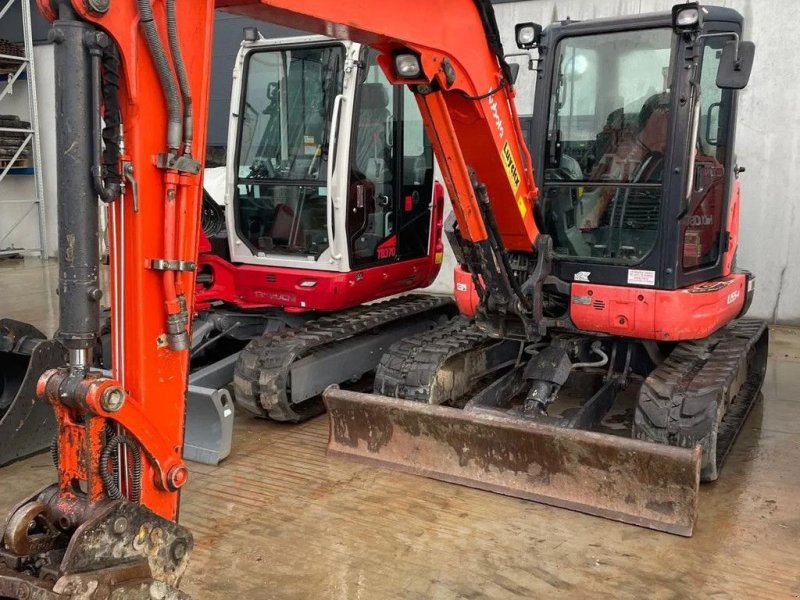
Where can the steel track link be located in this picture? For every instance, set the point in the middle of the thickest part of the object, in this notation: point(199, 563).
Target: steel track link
point(703, 392)
point(409, 369)
point(262, 373)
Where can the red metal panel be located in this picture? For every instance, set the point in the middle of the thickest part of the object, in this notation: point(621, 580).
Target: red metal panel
point(253, 286)
point(686, 314)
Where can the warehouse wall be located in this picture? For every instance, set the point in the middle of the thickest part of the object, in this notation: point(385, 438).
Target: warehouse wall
point(21, 187)
point(768, 138)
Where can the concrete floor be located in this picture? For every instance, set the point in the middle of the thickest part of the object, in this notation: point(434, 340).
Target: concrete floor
point(279, 520)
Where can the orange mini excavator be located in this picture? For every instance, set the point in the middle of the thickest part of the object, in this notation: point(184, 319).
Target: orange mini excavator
point(616, 271)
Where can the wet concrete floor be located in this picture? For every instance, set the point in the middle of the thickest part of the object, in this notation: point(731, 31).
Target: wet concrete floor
point(279, 520)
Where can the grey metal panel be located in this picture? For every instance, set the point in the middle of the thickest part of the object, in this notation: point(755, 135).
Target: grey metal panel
point(347, 360)
point(209, 425)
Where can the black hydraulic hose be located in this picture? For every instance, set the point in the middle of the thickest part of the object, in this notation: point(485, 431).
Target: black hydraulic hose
point(494, 235)
point(492, 32)
point(109, 192)
point(183, 79)
point(112, 115)
point(165, 75)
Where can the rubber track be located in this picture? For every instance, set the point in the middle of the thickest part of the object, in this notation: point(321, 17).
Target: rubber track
point(261, 374)
point(687, 399)
point(408, 368)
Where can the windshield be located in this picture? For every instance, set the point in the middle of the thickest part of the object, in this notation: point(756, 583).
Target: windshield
point(607, 132)
point(286, 112)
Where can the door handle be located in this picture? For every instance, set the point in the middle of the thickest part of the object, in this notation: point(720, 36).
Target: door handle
point(332, 145)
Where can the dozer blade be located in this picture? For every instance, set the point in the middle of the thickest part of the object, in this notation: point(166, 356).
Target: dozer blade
point(628, 480)
point(27, 426)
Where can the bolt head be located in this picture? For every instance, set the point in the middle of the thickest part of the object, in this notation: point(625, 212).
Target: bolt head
point(120, 525)
point(177, 477)
point(98, 6)
point(23, 591)
point(112, 399)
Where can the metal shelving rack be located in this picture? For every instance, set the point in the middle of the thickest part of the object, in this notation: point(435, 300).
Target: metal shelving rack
point(28, 136)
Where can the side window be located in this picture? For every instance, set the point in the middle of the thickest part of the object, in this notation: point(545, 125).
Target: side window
point(704, 221)
point(373, 168)
point(391, 174)
point(414, 212)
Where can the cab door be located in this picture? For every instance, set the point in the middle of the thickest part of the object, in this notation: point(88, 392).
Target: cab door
point(703, 228)
point(391, 174)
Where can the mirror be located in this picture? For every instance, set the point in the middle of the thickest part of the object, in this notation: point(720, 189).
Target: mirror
point(734, 71)
point(514, 70)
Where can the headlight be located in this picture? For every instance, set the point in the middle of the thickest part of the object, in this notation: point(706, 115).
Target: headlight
point(407, 66)
point(687, 17)
point(527, 35)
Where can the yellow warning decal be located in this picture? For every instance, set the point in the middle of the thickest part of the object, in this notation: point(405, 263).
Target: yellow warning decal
point(523, 208)
point(510, 166)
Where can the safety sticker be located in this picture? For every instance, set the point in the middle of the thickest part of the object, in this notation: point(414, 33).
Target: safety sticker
point(641, 277)
point(582, 276)
point(510, 166)
point(523, 208)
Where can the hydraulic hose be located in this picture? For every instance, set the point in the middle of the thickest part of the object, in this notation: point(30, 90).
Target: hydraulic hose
point(112, 115)
point(598, 350)
point(106, 192)
point(183, 79)
point(165, 75)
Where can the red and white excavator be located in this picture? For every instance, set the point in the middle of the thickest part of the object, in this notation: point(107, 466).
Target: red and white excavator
point(614, 273)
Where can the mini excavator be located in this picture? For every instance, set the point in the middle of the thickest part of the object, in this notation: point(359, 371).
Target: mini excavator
point(613, 269)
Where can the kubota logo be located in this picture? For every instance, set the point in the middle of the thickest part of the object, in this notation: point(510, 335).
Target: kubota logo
point(496, 112)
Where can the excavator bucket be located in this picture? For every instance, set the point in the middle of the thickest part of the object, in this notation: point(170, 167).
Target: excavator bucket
point(26, 425)
point(628, 480)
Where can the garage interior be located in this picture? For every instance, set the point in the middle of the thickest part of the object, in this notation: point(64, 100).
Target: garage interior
point(279, 519)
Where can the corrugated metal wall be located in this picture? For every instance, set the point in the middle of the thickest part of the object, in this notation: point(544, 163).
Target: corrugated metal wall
point(768, 137)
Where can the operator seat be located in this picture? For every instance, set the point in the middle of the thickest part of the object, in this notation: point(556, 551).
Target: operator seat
point(372, 150)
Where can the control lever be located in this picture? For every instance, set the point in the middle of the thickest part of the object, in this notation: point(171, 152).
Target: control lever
point(127, 171)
